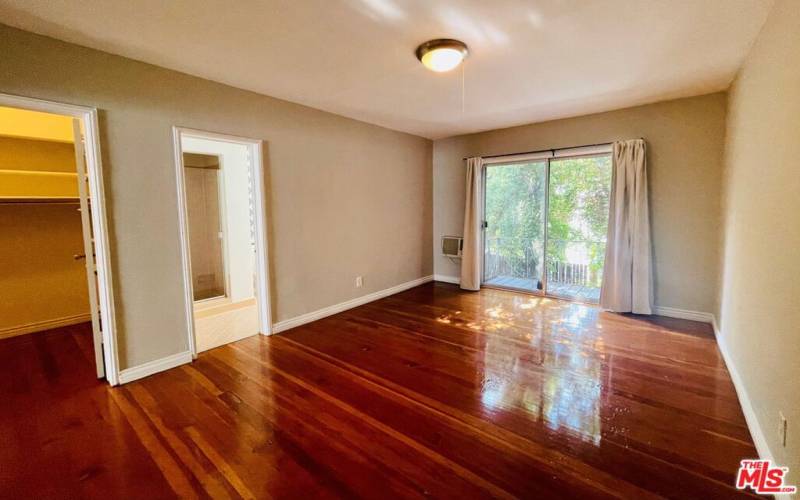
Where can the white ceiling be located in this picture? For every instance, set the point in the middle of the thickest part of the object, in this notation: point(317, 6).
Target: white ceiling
point(530, 60)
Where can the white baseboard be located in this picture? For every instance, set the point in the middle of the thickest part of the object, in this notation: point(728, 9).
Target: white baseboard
point(759, 438)
point(40, 326)
point(343, 306)
point(155, 366)
point(672, 312)
point(447, 279)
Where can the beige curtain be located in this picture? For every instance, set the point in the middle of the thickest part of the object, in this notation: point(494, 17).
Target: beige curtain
point(627, 273)
point(471, 254)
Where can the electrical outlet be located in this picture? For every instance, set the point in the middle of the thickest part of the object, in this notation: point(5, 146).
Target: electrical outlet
point(782, 429)
point(359, 281)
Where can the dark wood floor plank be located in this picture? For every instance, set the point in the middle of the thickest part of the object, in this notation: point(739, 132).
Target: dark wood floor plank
point(524, 469)
point(367, 434)
point(575, 400)
point(695, 396)
point(431, 392)
point(622, 461)
point(62, 434)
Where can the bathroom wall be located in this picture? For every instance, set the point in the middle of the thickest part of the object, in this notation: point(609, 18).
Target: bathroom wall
point(238, 245)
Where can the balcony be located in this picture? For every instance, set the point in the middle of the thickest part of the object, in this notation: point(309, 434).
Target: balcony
point(574, 269)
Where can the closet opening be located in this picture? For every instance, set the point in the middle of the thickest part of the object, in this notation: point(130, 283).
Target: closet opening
point(54, 265)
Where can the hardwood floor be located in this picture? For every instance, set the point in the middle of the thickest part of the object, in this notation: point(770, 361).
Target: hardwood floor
point(431, 392)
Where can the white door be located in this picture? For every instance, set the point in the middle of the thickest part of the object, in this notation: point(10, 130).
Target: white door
point(88, 249)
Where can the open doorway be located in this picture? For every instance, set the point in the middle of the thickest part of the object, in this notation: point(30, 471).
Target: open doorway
point(55, 272)
point(220, 187)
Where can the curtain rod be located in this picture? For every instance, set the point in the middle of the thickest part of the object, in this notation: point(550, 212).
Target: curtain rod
point(552, 150)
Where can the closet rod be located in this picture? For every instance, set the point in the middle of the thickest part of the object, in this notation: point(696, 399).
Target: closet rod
point(552, 150)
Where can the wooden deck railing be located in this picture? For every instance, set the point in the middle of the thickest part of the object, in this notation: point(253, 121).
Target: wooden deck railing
point(521, 258)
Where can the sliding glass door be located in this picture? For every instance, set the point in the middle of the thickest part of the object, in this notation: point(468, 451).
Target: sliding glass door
point(577, 221)
point(545, 225)
point(514, 225)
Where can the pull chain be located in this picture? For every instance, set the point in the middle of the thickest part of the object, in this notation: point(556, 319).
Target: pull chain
point(463, 70)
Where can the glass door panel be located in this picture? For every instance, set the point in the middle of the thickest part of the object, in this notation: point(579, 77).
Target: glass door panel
point(514, 214)
point(577, 224)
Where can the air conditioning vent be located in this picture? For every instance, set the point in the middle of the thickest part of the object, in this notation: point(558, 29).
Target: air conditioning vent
point(452, 246)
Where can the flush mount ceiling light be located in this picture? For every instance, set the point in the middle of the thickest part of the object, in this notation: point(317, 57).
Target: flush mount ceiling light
point(442, 54)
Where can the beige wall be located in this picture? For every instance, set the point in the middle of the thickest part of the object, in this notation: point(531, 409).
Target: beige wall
point(685, 139)
point(39, 279)
point(760, 312)
point(345, 198)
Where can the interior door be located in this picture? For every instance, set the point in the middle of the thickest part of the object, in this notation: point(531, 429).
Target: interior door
point(88, 248)
point(515, 205)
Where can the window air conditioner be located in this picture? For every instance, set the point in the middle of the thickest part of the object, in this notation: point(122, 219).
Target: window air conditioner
point(452, 246)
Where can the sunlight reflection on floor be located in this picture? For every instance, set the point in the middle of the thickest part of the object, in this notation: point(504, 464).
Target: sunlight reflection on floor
point(563, 387)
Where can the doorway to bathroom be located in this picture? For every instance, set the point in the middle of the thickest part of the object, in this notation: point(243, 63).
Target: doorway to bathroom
point(222, 217)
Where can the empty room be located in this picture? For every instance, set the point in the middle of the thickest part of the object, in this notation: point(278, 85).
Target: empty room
point(400, 249)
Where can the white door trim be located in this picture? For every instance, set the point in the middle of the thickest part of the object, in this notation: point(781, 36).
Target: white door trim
point(262, 243)
point(94, 169)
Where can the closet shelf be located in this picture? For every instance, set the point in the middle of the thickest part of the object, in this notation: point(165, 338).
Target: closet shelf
point(28, 186)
